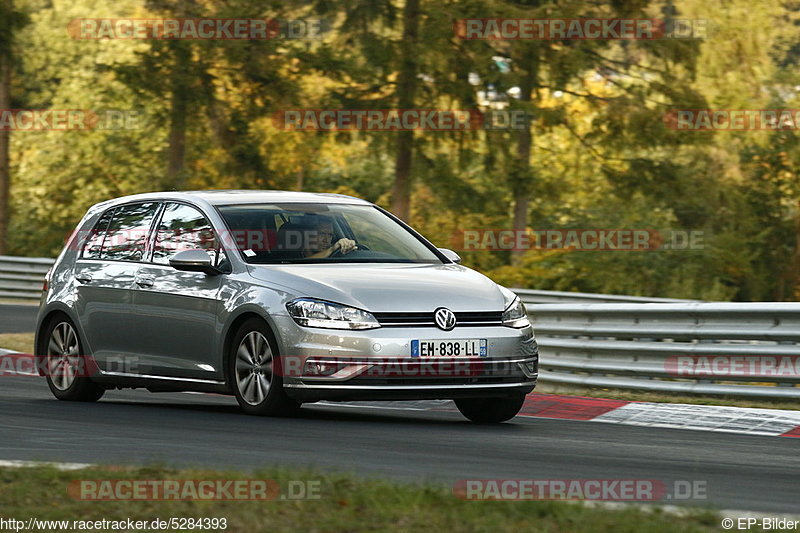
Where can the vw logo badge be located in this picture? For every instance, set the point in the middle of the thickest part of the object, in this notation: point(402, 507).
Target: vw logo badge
point(444, 318)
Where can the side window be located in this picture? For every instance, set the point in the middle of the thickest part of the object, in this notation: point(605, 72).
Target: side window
point(94, 244)
point(183, 227)
point(128, 232)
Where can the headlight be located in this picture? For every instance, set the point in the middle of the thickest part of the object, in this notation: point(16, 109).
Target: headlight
point(516, 316)
point(321, 314)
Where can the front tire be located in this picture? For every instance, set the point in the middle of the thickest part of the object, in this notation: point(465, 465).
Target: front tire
point(490, 410)
point(65, 362)
point(254, 372)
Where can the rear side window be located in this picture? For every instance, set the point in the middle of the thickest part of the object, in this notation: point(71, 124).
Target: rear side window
point(182, 228)
point(125, 235)
point(94, 244)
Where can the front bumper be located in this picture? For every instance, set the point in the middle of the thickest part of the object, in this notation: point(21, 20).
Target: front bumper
point(319, 364)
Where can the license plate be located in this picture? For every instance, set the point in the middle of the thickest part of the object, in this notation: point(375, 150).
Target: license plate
point(448, 348)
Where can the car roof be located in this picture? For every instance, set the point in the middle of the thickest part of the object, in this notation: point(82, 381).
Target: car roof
point(239, 197)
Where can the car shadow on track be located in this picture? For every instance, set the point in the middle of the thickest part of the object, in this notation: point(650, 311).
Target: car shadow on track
point(127, 408)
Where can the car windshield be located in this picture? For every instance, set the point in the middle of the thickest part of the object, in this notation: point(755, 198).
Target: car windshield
point(320, 233)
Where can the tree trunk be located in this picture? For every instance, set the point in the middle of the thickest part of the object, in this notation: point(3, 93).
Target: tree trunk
point(5, 136)
point(177, 124)
point(406, 88)
point(521, 176)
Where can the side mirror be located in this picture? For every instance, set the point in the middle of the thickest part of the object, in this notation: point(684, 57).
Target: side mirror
point(451, 255)
point(194, 261)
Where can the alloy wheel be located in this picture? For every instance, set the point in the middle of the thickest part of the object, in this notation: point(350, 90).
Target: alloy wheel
point(254, 368)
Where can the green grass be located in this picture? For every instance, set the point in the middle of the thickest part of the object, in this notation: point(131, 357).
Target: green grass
point(19, 301)
point(18, 342)
point(347, 503)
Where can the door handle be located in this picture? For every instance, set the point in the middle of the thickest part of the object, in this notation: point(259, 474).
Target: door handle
point(84, 277)
point(145, 281)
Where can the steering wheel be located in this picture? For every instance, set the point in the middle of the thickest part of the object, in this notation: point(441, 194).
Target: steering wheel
point(338, 252)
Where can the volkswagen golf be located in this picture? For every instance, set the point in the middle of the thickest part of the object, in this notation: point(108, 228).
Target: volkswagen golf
point(278, 298)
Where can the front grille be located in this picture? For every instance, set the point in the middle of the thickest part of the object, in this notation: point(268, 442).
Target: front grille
point(425, 319)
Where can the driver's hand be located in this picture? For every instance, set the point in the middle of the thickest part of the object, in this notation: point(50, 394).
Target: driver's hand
point(345, 246)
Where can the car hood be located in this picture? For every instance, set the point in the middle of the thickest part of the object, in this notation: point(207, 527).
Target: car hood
point(390, 287)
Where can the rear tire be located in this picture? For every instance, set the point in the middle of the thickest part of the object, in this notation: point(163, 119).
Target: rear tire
point(253, 359)
point(490, 410)
point(65, 361)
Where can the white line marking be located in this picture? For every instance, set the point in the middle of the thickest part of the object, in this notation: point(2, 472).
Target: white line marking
point(681, 511)
point(722, 419)
point(32, 464)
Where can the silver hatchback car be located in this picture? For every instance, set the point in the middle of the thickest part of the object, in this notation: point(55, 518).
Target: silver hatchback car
point(278, 298)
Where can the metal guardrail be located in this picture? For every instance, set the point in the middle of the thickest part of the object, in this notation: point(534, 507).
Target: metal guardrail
point(605, 340)
point(690, 348)
point(22, 277)
point(530, 296)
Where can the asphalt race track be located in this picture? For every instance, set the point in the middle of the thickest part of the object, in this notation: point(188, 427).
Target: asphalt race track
point(136, 427)
point(17, 318)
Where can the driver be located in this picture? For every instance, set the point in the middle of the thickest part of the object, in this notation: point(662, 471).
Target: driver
point(319, 239)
